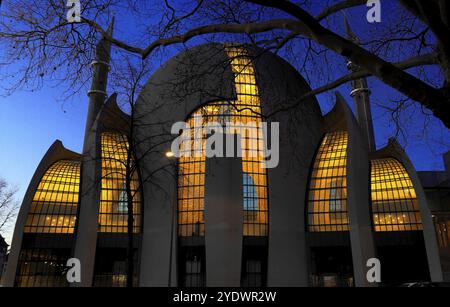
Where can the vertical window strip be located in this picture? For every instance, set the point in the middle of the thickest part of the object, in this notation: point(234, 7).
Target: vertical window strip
point(193, 267)
point(327, 198)
point(113, 210)
point(246, 109)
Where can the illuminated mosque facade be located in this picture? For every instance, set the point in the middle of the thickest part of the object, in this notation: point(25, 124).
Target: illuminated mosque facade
point(332, 203)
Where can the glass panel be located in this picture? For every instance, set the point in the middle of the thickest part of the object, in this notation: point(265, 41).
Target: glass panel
point(245, 110)
point(54, 205)
point(394, 201)
point(442, 227)
point(327, 202)
point(113, 210)
point(192, 267)
point(111, 267)
point(42, 267)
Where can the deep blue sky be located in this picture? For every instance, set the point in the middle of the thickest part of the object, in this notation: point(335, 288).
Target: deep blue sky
point(31, 121)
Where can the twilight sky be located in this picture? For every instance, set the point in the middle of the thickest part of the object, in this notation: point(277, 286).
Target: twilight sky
point(31, 121)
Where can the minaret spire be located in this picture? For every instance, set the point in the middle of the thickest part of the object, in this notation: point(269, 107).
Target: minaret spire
point(100, 68)
point(361, 95)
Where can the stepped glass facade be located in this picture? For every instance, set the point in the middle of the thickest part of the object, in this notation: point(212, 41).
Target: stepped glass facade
point(127, 209)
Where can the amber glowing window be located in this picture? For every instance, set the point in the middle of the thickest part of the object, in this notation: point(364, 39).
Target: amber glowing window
point(394, 202)
point(442, 226)
point(244, 110)
point(327, 200)
point(42, 267)
point(113, 211)
point(54, 205)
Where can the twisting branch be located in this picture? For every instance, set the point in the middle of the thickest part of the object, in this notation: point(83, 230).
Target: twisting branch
point(247, 28)
point(308, 26)
point(427, 59)
point(36, 42)
point(175, 20)
point(412, 87)
point(116, 42)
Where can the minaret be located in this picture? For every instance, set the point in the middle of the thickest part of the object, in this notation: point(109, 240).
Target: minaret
point(361, 95)
point(91, 168)
point(100, 69)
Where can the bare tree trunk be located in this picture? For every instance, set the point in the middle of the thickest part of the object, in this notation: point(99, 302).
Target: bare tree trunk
point(130, 224)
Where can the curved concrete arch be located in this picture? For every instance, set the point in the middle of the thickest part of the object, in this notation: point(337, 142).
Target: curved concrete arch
point(394, 150)
point(183, 84)
point(175, 90)
point(110, 117)
point(358, 187)
point(55, 153)
point(300, 130)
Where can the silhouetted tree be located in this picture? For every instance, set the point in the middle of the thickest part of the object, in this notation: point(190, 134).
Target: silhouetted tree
point(8, 205)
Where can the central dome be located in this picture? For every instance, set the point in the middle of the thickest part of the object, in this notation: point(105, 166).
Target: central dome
point(212, 80)
point(203, 74)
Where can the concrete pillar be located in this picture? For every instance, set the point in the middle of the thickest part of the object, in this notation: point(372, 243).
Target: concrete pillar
point(223, 221)
point(358, 197)
point(159, 252)
point(429, 232)
point(86, 238)
point(287, 256)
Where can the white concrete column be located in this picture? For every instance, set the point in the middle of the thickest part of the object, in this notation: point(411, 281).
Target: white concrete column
point(223, 221)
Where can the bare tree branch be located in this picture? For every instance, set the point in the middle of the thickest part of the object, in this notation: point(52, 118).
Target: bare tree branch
point(339, 7)
point(250, 28)
point(40, 45)
point(412, 87)
point(428, 59)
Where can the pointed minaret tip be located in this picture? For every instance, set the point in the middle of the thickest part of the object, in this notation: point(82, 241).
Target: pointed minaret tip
point(100, 69)
point(348, 30)
point(361, 95)
point(111, 26)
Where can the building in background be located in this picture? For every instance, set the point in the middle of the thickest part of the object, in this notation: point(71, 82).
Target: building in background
point(3, 256)
point(332, 203)
point(437, 189)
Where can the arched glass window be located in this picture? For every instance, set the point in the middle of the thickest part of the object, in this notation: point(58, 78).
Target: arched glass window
point(327, 199)
point(113, 211)
point(394, 202)
point(55, 202)
point(245, 109)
